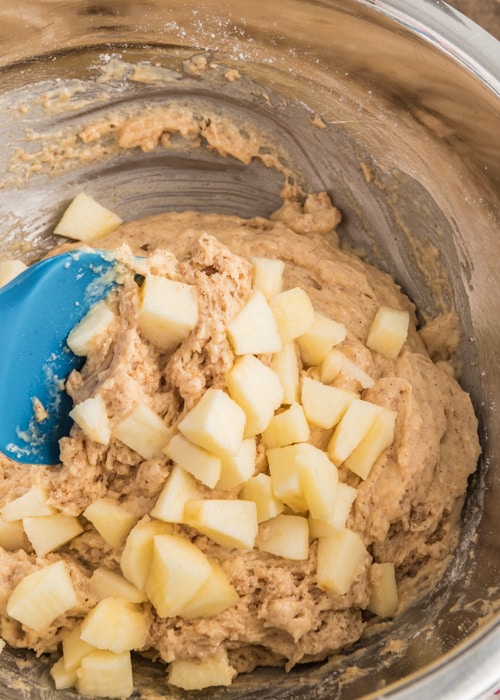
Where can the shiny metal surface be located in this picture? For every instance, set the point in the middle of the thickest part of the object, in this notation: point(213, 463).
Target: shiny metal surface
point(413, 91)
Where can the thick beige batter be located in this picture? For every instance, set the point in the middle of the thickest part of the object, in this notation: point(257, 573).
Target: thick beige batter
point(408, 510)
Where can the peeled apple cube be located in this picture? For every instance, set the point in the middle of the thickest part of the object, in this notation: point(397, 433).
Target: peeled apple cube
point(215, 423)
point(104, 674)
point(216, 594)
point(230, 523)
point(351, 370)
point(340, 558)
point(383, 589)
point(319, 338)
point(203, 465)
point(179, 488)
point(283, 469)
point(285, 536)
point(354, 425)
point(105, 583)
point(10, 269)
point(238, 468)
point(97, 322)
point(115, 625)
point(92, 417)
point(74, 649)
point(268, 275)
point(111, 520)
point(62, 678)
point(42, 596)
point(388, 331)
point(168, 311)
point(85, 219)
point(49, 532)
point(196, 674)
point(320, 527)
point(143, 431)
point(257, 389)
point(253, 330)
point(324, 405)
point(294, 313)
point(379, 437)
point(286, 365)
point(137, 554)
point(31, 503)
point(259, 489)
point(331, 365)
point(318, 479)
point(178, 570)
point(288, 427)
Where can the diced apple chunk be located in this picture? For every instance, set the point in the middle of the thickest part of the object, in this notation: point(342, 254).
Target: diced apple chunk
point(324, 405)
point(353, 426)
point(259, 489)
point(331, 365)
point(294, 313)
point(215, 423)
point(10, 269)
point(12, 535)
point(97, 322)
point(378, 438)
point(285, 536)
point(320, 527)
point(351, 370)
point(42, 596)
point(383, 589)
point(111, 520)
point(31, 503)
point(319, 481)
point(203, 465)
point(286, 365)
point(196, 674)
point(115, 625)
point(168, 311)
point(74, 649)
point(287, 427)
point(283, 468)
point(230, 523)
point(253, 330)
point(268, 275)
point(143, 431)
point(340, 558)
point(179, 488)
point(104, 674)
point(216, 594)
point(137, 554)
point(319, 338)
point(62, 678)
point(92, 417)
point(105, 583)
point(49, 532)
point(178, 571)
point(235, 469)
point(85, 219)
point(388, 331)
point(257, 389)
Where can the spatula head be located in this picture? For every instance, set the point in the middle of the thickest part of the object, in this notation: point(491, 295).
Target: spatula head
point(38, 309)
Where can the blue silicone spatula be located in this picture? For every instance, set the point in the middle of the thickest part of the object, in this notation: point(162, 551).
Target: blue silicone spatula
point(38, 309)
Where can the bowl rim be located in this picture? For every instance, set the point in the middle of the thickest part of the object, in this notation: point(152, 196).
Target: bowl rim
point(452, 32)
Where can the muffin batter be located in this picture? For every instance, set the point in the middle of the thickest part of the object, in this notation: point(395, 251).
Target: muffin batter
point(407, 511)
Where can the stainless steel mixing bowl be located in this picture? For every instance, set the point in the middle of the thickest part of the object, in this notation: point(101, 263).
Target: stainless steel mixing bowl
point(409, 98)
